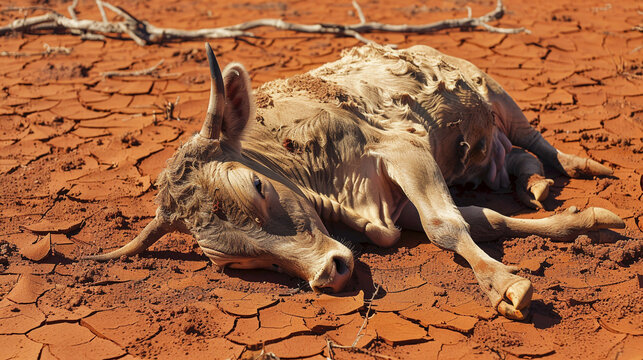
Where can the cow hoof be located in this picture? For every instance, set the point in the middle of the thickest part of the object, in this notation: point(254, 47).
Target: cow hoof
point(576, 166)
point(605, 219)
point(575, 222)
point(512, 313)
point(540, 189)
point(595, 168)
point(520, 295)
point(533, 189)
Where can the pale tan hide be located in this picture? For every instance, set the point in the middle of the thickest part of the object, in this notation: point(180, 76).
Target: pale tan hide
point(370, 141)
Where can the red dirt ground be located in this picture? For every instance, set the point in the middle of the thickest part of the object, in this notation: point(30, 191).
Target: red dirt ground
point(80, 153)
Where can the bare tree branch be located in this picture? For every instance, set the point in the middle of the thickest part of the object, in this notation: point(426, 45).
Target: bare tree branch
point(27, 8)
point(48, 50)
point(72, 10)
point(360, 13)
point(103, 15)
point(144, 33)
point(368, 311)
point(503, 30)
point(360, 350)
point(149, 71)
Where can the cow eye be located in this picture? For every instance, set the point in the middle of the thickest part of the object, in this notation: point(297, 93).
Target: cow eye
point(481, 147)
point(257, 183)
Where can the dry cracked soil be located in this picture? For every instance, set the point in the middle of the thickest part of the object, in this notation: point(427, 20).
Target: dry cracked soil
point(80, 152)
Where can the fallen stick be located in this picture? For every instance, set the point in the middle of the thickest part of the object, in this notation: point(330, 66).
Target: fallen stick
point(144, 33)
point(142, 72)
point(360, 350)
point(48, 50)
point(368, 311)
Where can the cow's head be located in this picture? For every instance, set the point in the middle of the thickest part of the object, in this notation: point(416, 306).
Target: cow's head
point(242, 213)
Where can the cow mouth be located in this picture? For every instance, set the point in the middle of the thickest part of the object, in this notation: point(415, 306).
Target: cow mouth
point(335, 270)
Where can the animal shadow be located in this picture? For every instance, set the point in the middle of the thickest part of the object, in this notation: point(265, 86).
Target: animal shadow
point(543, 315)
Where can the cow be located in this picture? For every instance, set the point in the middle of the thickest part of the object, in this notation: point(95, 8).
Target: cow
point(371, 141)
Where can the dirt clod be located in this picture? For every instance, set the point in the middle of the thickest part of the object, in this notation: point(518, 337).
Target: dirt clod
point(623, 252)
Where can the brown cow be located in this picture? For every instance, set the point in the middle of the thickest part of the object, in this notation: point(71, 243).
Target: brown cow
point(371, 141)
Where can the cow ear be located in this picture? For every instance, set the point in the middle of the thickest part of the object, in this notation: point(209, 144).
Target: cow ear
point(239, 102)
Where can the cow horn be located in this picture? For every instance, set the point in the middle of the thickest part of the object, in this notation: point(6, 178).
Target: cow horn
point(212, 125)
point(150, 234)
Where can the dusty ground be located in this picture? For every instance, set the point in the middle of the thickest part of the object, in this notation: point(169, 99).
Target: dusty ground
point(80, 153)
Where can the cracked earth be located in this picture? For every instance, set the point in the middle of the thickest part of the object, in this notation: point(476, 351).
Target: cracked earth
point(80, 152)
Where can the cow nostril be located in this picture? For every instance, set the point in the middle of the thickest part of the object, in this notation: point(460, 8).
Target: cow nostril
point(333, 277)
point(340, 266)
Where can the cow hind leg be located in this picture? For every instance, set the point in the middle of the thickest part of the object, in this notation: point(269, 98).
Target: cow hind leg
point(570, 165)
point(517, 128)
point(489, 225)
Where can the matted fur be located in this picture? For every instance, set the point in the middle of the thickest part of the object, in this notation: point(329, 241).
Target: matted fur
point(180, 196)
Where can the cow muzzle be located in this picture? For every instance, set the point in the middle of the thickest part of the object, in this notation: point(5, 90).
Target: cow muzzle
point(335, 273)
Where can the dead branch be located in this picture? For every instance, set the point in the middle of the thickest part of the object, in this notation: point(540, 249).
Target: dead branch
point(144, 33)
point(72, 10)
point(360, 13)
point(353, 347)
point(263, 355)
point(27, 8)
point(142, 72)
point(360, 350)
point(103, 15)
point(368, 310)
point(48, 50)
point(331, 354)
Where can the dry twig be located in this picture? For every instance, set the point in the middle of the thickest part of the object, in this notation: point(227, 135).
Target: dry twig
point(331, 354)
point(360, 350)
point(360, 13)
point(148, 71)
point(48, 50)
point(26, 8)
point(103, 15)
point(368, 311)
point(144, 33)
point(263, 355)
point(353, 347)
point(72, 10)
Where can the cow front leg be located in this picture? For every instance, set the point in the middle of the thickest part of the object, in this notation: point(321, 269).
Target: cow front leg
point(531, 185)
point(411, 167)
